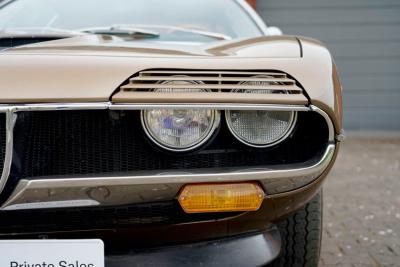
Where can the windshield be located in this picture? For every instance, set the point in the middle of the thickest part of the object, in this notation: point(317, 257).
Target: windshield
point(219, 16)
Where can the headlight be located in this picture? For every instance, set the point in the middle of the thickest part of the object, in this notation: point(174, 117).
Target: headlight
point(261, 128)
point(180, 129)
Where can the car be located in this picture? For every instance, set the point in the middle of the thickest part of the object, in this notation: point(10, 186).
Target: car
point(177, 132)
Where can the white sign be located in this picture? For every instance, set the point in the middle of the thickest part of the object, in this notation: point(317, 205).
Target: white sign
point(51, 253)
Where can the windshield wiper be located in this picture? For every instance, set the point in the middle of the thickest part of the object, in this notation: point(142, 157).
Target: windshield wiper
point(122, 31)
point(214, 35)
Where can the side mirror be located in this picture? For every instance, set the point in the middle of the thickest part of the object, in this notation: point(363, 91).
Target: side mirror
point(274, 31)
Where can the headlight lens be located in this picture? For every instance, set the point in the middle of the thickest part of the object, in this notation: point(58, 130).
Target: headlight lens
point(176, 129)
point(260, 128)
point(180, 129)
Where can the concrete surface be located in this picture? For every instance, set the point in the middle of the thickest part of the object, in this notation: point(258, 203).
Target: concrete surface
point(362, 205)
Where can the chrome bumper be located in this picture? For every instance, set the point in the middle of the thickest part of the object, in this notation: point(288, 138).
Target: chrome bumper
point(62, 192)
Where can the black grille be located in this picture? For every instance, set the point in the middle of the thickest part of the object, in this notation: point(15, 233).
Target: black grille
point(45, 221)
point(3, 140)
point(94, 142)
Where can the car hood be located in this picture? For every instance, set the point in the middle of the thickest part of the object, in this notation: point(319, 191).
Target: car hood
point(105, 45)
point(90, 68)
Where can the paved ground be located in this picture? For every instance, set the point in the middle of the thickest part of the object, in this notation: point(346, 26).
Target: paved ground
point(362, 205)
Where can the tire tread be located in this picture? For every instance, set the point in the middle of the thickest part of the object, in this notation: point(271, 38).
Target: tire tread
point(301, 236)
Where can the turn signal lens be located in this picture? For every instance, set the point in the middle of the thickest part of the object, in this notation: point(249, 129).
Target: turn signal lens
point(201, 198)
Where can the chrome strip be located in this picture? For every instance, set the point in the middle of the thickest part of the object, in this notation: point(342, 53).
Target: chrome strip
point(10, 122)
point(117, 190)
point(210, 106)
point(55, 106)
point(141, 106)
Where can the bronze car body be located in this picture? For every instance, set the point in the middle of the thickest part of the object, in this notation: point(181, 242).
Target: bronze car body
point(41, 83)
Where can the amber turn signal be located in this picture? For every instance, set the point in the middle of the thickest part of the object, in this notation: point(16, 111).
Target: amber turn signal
point(201, 198)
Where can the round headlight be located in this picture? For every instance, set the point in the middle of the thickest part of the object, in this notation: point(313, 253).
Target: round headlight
point(260, 128)
point(180, 129)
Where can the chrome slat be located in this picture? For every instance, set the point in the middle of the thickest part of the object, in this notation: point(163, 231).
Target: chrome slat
point(239, 81)
point(208, 78)
point(211, 86)
point(180, 72)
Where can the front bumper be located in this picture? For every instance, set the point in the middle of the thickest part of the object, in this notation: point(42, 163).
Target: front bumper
point(245, 250)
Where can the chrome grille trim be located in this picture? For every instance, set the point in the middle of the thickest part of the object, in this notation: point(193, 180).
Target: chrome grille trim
point(140, 106)
point(218, 106)
point(219, 87)
point(11, 118)
point(295, 177)
point(214, 81)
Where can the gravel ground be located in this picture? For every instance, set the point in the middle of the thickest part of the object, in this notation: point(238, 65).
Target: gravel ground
point(362, 205)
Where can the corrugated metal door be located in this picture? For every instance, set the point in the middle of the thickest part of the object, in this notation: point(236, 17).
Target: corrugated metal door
point(364, 37)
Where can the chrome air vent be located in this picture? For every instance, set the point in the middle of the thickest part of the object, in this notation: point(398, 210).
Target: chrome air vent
point(185, 86)
point(213, 81)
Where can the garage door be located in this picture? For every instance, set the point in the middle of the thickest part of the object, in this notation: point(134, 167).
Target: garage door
point(364, 37)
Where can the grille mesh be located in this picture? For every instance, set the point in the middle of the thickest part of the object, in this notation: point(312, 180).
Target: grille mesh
point(94, 142)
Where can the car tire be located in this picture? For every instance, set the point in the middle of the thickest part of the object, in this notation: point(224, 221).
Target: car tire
point(301, 236)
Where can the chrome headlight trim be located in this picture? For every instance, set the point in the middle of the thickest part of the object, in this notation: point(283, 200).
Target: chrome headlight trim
point(10, 121)
point(216, 119)
point(281, 138)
